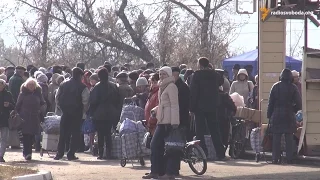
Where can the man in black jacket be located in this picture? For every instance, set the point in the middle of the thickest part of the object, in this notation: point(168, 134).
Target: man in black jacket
point(183, 96)
point(73, 100)
point(204, 101)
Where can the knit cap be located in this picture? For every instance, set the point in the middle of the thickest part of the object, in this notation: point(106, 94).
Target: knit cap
point(42, 78)
point(37, 73)
point(295, 73)
point(94, 76)
point(142, 81)
point(167, 69)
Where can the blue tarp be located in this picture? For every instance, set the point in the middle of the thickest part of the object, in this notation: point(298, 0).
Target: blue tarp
point(251, 58)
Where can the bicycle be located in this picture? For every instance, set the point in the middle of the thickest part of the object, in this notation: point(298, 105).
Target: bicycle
point(193, 153)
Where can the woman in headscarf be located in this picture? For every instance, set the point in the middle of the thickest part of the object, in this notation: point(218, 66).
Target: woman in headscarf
point(284, 101)
point(242, 86)
point(168, 118)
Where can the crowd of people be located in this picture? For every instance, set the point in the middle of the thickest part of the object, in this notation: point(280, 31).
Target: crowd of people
point(169, 95)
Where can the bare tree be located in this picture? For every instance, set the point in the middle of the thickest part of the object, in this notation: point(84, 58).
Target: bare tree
point(208, 12)
point(80, 17)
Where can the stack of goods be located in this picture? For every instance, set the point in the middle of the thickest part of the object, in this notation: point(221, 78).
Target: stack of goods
point(132, 136)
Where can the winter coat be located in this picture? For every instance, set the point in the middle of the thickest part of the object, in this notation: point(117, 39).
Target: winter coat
point(5, 96)
point(243, 88)
point(29, 107)
point(204, 91)
point(226, 108)
point(125, 91)
point(184, 100)
point(226, 85)
point(298, 84)
point(15, 83)
point(168, 108)
point(284, 101)
point(53, 86)
point(73, 98)
point(105, 102)
point(255, 97)
point(142, 99)
point(152, 102)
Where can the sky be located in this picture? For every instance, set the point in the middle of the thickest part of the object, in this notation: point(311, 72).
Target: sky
point(246, 39)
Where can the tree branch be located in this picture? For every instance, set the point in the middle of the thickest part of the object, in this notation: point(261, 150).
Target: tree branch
point(221, 4)
point(200, 4)
point(100, 37)
point(185, 7)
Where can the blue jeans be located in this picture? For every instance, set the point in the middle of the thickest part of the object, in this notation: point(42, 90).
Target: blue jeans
point(159, 163)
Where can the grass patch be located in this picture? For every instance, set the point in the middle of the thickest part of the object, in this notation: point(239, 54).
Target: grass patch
point(7, 172)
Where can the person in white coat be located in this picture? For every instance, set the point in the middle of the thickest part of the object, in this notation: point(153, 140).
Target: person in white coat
point(167, 113)
point(242, 86)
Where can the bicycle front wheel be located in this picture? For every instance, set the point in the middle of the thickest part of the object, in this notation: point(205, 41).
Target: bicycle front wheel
point(196, 156)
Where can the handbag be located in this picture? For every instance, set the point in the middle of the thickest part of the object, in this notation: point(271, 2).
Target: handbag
point(88, 126)
point(267, 139)
point(15, 121)
point(175, 141)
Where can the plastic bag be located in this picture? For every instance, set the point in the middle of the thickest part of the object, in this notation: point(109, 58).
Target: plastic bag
point(88, 126)
point(175, 141)
point(127, 126)
point(86, 139)
point(51, 124)
point(299, 116)
point(237, 99)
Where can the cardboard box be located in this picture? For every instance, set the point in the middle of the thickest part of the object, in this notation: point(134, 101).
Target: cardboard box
point(248, 114)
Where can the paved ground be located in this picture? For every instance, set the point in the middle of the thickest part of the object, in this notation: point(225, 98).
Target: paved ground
point(87, 167)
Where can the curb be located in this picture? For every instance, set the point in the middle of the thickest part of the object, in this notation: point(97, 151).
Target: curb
point(42, 175)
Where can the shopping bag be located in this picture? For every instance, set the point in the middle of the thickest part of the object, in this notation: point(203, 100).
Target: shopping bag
point(127, 126)
point(175, 141)
point(15, 121)
point(51, 124)
point(267, 139)
point(147, 140)
point(88, 126)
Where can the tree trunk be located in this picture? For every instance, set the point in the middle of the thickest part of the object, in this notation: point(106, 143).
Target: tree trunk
point(204, 49)
point(45, 23)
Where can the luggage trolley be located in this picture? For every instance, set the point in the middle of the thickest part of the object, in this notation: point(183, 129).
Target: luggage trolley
point(49, 140)
point(126, 140)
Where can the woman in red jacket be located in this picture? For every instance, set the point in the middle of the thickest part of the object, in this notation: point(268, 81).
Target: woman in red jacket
point(152, 102)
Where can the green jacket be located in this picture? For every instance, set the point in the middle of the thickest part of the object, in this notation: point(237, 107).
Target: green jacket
point(15, 83)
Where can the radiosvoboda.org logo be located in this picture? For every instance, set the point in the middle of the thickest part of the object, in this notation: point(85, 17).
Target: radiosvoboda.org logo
point(265, 12)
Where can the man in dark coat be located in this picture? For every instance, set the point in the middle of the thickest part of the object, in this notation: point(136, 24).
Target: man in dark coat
point(184, 99)
point(105, 108)
point(183, 96)
point(204, 101)
point(284, 101)
point(16, 81)
point(9, 72)
point(73, 100)
point(226, 111)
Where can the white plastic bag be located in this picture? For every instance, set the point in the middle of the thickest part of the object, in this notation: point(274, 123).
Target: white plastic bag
point(237, 99)
point(86, 139)
point(128, 126)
